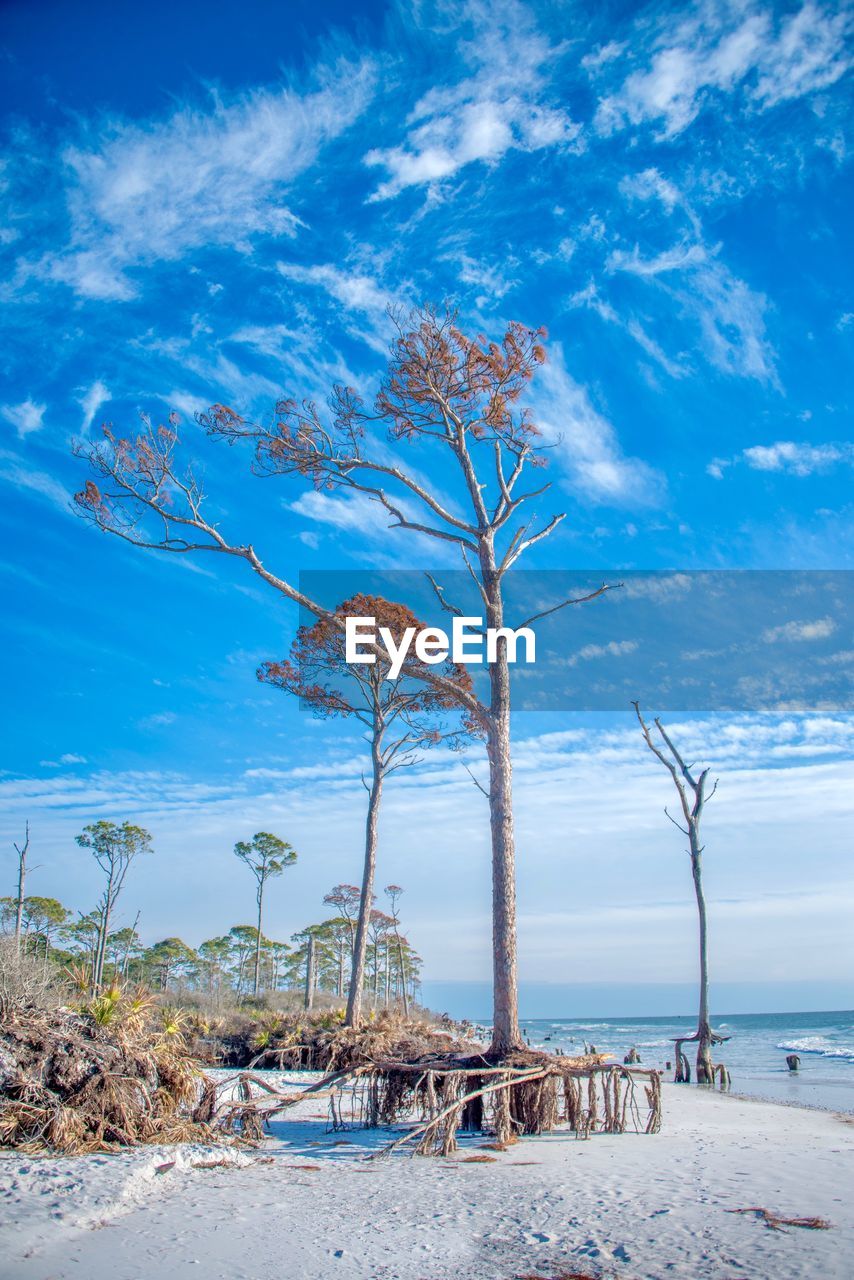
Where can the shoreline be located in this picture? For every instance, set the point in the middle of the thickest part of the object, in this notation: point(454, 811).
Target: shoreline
point(612, 1205)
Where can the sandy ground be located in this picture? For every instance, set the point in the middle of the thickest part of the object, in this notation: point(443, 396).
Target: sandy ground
point(636, 1208)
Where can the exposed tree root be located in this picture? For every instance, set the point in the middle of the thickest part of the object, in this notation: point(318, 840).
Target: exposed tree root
point(683, 1066)
point(528, 1093)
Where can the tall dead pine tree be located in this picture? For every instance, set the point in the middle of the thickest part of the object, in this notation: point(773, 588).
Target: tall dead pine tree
point(459, 397)
point(693, 794)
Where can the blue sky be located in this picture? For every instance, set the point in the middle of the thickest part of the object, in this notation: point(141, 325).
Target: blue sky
point(219, 202)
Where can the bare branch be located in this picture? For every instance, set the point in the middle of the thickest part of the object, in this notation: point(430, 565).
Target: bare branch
point(573, 600)
point(481, 788)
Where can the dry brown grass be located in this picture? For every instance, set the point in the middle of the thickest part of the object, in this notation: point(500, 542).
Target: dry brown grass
point(24, 980)
point(320, 1041)
point(113, 1073)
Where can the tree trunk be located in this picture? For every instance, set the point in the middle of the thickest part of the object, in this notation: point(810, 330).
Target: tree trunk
point(309, 974)
point(256, 976)
point(22, 880)
point(402, 975)
point(705, 1074)
point(357, 976)
point(101, 953)
point(126, 958)
point(505, 1020)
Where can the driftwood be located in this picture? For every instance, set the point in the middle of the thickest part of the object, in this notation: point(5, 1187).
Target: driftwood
point(777, 1222)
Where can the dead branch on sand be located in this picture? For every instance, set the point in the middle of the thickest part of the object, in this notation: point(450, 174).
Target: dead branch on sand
point(777, 1222)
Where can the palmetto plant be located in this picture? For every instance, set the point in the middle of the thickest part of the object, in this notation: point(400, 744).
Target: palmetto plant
point(80, 976)
point(173, 1021)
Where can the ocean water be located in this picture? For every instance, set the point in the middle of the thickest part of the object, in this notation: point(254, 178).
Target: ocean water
point(755, 1054)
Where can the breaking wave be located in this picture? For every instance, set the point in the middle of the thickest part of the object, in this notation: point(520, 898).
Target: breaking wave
point(819, 1045)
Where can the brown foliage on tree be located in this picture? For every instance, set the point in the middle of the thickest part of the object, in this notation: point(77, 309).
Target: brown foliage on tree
point(401, 717)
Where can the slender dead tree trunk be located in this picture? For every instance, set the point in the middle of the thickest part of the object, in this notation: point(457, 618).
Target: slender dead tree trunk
point(256, 973)
point(22, 881)
point(126, 958)
point(106, 914)
point(692, 799)
point(402, 964)
point(705, 1035)
point(309, 973)
point(357, 976)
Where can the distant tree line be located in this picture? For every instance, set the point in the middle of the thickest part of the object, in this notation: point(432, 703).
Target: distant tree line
point(242, 963)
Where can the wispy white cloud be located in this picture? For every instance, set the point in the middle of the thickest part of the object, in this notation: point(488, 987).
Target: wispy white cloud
point(139, 193)
point(721, 47)
point(493, 280)
point(587, 446)
point(613, 649)
point(91, 401)
point(501, 106)
point(817, 629)
point(158, 720)
point(651, 184)
point(591, 297)
point(789, 457)
point(380, 543)
point(18, 473)
point(730, 315)
point(26, 417)
point(69, 758)
point(357, 293)
point(799, 459)
point(604, 778)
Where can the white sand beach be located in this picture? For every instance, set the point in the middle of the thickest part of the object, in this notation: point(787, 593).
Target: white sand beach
point(312, 1207)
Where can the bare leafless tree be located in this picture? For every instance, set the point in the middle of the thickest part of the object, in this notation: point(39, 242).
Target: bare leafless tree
point(456, 394)
point(693, 794)
point(21, 851)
